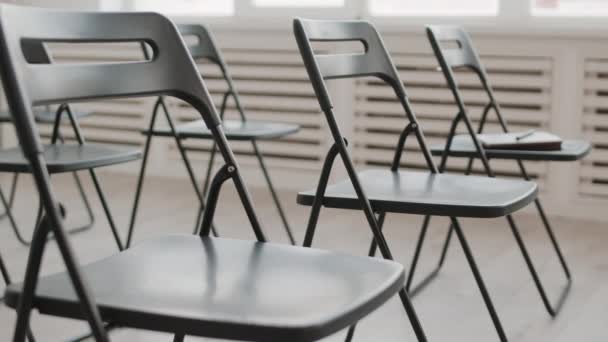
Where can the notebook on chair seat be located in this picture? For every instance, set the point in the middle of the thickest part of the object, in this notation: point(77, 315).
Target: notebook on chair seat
point(528, 140)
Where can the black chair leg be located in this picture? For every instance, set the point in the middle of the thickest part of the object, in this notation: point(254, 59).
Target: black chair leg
point(179, 338)
point(87, 206)
point(11, 196)
point(479, 280)
point(312, 225)
point(405, 301)
point(414, 263)
point(106, 209)
point(350, 333)
point(414, 290)
point(8, 205)
point(199, 194)
point(11, 220)
point(7, 280)
point(552, 309)
point(205, 190)
point(372, 252)
point(138, 189)
point(273, 192)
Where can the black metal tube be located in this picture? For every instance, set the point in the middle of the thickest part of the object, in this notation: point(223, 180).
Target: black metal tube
point(273, 193)
point(479, 280)
point(106, 209)
point(140, 178)
point(318, 200)
point(221, 176)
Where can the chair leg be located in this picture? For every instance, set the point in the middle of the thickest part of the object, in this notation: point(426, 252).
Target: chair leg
point(87, 205)
point(8, 204)
point(138, 189)
point(405, 300)
point(11, 196)
point(413, 291)
point(384, 249)
point(200, 194)
point(206, 184)
point(414, 263)
point(350, 333)
point(7, 280)
point(372, 252)
point(11, 220)
point(318, 200)
point(552, 309)
point(36, 253)
point(179, 338)
point(106, 209)
point(479, 280)
point(273, 192)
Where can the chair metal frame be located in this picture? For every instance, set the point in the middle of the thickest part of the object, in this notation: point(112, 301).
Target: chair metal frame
point(42, 56)
point(376, 62)
point(465, 56)
point(8, 203)
point(7, 280)
point(204, 48)
point(39, 54)
point(22, 84)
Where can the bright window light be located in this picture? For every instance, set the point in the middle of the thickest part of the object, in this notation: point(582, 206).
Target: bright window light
point(434, 7)
point(298, 3)
point(570, 7)
point(191, 7)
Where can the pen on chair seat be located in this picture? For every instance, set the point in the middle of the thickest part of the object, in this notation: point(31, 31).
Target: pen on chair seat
point(525, 134)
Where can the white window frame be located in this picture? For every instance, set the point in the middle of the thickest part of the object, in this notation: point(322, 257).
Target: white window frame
point(350, 10)
point(513, 17)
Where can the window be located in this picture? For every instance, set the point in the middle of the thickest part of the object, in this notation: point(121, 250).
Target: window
point(181, 7)
point(434, 7)
point(570, 7)
point(299, 3)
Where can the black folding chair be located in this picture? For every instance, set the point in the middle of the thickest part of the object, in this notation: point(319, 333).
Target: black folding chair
point(241, 130)
point(461, 54)
point(182, 284)
point(379, 192)
point(65, 157)
point(49, 117)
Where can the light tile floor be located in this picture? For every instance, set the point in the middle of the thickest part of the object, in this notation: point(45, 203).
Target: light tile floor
point(451, 309)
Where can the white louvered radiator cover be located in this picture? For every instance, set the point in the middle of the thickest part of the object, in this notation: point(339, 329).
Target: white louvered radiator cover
point(273, 84)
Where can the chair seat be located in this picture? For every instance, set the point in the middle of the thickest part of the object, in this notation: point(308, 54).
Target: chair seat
point(225, 288)
point(412, 192)
point(234, 130)
point(44, 116)
point(69, 157)
point(462, 146)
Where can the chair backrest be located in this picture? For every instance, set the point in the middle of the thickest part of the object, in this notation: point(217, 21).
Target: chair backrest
point(374, 61)
point(205, 46)
point(460, 52)
point(29, 83)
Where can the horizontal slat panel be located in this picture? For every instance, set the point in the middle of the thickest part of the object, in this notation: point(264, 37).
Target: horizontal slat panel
point(522, 85)
point(594, 172)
